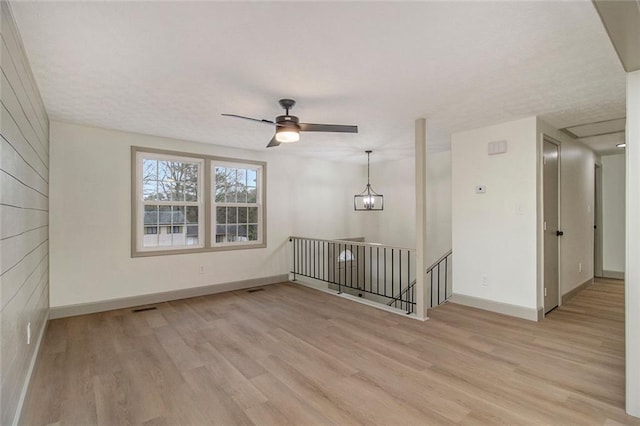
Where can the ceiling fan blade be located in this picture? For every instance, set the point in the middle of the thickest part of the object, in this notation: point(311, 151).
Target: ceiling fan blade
point(249, 118)
point(273, 142)
point(339, 128)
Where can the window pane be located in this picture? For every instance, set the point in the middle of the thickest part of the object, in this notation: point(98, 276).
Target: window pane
point(242, 194)
point(178, 216)
point(221, 231)
point(241, 177)
point(176, 190)
point(252, 216)
point(230, 195)
point(150, 215)
point(150, 220)
point(221, 215)
point(252, 196)
point(242, 232)
point(191, 173)
point(164, 172)
point(232, 231)
point(150, 230)
point(252, 232)
point(149, 190)
point(164, 191)
point(232, 215)
point(242, 215)
point(149, 169)
point(191, 191)
point(192, 235)
point(192, 215)
point(251, 177)
point(164, 215)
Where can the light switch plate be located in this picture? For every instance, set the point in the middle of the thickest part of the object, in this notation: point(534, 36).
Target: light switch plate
point(497, 147)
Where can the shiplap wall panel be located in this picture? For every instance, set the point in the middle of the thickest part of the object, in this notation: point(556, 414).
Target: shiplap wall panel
point(16, 221)
point(20, 62)
point(12, 135)
point(12, 164)
point(15, 193)
point(24, 222)
point(14, 279)
point(14, 107)
point(12, 73)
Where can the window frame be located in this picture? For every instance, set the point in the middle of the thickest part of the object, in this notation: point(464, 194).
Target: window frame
point(259, 201)
point(206, 199)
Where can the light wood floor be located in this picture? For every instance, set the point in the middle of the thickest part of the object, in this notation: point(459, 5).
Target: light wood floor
point(292, 355)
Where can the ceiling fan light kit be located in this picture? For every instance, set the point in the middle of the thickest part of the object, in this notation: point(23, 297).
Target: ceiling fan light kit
point(288, 127)
point(368, 200)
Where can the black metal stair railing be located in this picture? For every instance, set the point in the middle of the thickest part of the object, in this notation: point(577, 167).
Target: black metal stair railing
point(374, 271)
point(437, 276)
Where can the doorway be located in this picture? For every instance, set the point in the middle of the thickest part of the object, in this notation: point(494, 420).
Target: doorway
point(551, 225)
point(597, 226)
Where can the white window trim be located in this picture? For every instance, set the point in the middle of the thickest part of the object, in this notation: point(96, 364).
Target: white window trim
point(259, 202)
point(140, 202)
point(206, 225)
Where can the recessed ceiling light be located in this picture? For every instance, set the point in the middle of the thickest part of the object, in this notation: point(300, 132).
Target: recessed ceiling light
point(621, 145)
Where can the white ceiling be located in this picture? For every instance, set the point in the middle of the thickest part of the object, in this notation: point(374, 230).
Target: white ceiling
point(171, 68)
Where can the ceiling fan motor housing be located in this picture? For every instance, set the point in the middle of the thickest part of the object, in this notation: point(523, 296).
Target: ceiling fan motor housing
point(290, 121)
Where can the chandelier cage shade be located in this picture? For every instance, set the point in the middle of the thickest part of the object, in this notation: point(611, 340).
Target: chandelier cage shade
point(368, 200)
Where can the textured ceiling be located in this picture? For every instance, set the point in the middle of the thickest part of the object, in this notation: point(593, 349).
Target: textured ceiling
point(171, 68)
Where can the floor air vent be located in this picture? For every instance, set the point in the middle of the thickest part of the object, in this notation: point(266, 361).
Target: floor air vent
point(253, 290)
point(148, 308)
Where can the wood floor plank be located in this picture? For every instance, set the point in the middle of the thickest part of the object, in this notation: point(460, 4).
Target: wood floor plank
point(293, 355)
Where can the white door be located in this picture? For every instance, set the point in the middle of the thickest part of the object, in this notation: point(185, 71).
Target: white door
point(551, 163)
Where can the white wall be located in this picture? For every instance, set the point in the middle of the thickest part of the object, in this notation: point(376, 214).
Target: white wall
point(396, 224)
point(494, 234)
point(91, 214)
point(577, 214)
point(613, 211)
point(24, 219)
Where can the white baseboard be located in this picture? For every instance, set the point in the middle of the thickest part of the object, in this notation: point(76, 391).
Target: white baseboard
point(616, 275)
point(148, 299)
point(27, 381)
point(568, 295)
point(498, 307)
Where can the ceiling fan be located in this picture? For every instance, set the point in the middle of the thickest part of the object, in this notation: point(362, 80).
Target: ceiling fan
point(288, 127)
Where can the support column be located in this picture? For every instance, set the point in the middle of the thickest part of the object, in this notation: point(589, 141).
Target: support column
point(632, 269)
point(423, 291)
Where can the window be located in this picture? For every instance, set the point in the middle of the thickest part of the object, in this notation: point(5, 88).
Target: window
point(179, 207)
point(237, 209)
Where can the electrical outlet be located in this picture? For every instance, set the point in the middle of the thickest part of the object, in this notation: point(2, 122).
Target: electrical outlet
point(28, 333)
point(484, 281)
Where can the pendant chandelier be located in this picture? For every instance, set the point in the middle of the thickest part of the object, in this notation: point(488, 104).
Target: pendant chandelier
point(368, 199)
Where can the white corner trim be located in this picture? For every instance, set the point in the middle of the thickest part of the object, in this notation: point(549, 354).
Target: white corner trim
point(147, 299)
point(27, 380)
point(530, 314)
